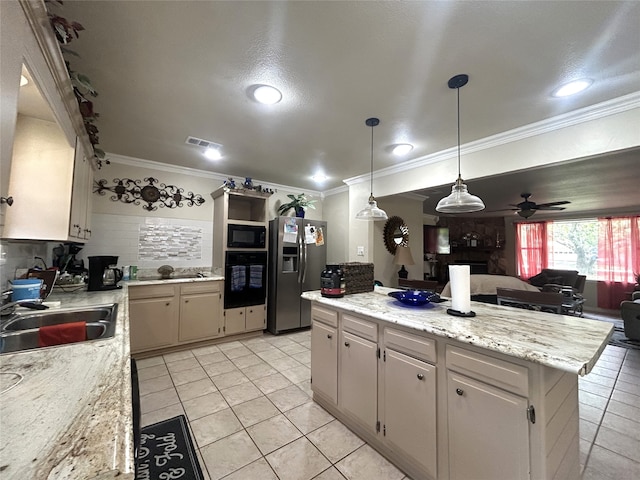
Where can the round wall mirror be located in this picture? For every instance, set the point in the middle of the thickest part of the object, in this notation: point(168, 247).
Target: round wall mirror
point(395, 233)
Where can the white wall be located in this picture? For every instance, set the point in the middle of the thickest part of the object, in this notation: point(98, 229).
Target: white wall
point(336, 213)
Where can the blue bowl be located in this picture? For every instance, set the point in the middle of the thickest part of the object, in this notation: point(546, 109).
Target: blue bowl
point(413, 297)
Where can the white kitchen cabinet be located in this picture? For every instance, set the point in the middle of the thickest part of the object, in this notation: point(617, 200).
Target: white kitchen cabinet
point(153, 317)
point(410, 409)
point(324, 353)
point(244, 319)
point(200, 311)
point(358, 380)
point(81, 196)
point(488, 431)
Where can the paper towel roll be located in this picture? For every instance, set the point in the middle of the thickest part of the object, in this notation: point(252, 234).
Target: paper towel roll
point(460, 288)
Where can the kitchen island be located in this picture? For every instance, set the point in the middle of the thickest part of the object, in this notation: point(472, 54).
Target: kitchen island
point(493, 396)
point(70, 415)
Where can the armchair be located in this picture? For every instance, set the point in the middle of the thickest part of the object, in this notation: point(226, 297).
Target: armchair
point(630, 313)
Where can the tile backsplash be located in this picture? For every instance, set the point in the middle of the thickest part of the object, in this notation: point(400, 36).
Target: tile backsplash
point(16, 255)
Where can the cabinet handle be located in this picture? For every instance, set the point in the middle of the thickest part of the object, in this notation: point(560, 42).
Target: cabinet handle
point(420, 376)
point(186, 301)
point(329, 335)
point(346, 344)
point(167, 304)
point(459, 391)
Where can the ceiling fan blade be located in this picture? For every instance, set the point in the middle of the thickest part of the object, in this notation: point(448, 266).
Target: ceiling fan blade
point(553, 204)
point(540, 207)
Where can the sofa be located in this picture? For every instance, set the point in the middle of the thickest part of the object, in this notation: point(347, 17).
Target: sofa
point(630, 313)
point(567, 278)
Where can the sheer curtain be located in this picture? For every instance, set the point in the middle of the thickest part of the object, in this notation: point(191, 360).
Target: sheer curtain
point(618, 259)
point(531, 251)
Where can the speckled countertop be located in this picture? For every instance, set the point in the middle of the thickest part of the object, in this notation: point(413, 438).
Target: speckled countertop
point(568, 343)
point(70, 416)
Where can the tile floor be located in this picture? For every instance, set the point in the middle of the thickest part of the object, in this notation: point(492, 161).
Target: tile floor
point(251, 414)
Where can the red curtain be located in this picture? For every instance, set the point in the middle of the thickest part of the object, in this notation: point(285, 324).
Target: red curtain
point(618, 259)
point(531, 254)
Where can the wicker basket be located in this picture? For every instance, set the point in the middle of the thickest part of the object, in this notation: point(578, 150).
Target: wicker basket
point(358, 277)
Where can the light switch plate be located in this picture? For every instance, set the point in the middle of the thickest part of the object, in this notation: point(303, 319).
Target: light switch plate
point(360, 252)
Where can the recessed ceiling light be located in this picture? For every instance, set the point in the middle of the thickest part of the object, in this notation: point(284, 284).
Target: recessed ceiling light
point(572, 88)
point(213, 153)
point(267, 94)
point(401, 149)
point(319, 177)
point(23, 80)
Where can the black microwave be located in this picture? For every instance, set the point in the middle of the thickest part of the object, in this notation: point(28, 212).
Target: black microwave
point(246, 236)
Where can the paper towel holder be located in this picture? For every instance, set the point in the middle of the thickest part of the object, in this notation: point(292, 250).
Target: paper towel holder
point(457, 313)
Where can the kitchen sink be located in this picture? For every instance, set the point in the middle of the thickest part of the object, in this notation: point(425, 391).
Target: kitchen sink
point(21, 333)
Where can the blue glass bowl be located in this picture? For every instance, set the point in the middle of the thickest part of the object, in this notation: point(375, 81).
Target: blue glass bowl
point(414, 297)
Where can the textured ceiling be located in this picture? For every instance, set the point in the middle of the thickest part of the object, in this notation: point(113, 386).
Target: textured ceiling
point(167, 70)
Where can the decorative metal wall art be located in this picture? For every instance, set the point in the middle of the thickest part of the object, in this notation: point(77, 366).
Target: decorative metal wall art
point(127, 190)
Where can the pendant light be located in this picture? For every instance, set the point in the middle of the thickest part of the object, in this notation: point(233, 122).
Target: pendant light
point(371, 212)
point(460, 200)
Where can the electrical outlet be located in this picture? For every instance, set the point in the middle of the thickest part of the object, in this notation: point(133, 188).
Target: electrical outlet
point(360, 251)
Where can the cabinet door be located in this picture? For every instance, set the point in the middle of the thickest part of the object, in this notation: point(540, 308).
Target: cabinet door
point(410, 416)
point(199, 316)
point(324, 360)
point(234, 320)
point(488, 431)
point(358, 390)
point(255, 318)
point(77, 224)
point(152, 323)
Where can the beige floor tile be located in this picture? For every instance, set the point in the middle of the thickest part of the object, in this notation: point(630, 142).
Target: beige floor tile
point(203, 466)
point(195, 389)
point(299, 460)
point(176, 356)
point(255, 411)
point(624, 397)
point(209, 358)
point(308, 417)
point(271, 354)
point(619, 443)
point(230, 379)
point(298, 374)
point(158, 400)
point(293, 348)
point(596, 389)
point(592, 414)
point(306, 343)
point(330, 474)
point(284, 363)
point(288, 398)
point(182, 365)
point(592, 399)
point(218, 368)
point(272, 383)
point(161, 414)
point(187, 376)
point(303, 357)
point(240, 393)
point(632, 412)
point(598, 379)
point(229, 345)
point(260, 347)
point(204, 405)
point(229, 454)
point(237, 352)
point(149, 362)
point(280, 341)
point(628, 387)
point(604, 464)
point(155, 384)
point(588, 430)
point(367, 464)
point(213, 427)
point(306, 387)
point(198, 352)
point(247, 361)
point(258, 371)
point(273, 433)
point(335, 440)
point(152, 372)
point(623, 425)
point(258, 470)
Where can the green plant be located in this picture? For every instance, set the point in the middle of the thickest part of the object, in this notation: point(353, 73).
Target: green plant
point(297, 202)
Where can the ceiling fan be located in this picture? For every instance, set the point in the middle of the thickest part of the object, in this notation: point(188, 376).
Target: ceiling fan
point(526, 209)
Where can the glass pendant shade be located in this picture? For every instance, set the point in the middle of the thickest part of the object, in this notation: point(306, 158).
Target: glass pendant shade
point(460, 200)
point(371, 212)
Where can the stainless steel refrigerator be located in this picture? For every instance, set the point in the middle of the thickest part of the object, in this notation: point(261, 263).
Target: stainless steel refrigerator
point(297, 256)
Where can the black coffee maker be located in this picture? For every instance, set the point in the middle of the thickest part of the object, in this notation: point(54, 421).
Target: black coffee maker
point(103, 275)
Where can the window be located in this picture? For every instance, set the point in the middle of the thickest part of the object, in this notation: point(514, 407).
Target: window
point(573, 245)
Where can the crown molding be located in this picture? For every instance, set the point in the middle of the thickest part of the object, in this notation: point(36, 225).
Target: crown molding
point(336, 190)
point(576, 117)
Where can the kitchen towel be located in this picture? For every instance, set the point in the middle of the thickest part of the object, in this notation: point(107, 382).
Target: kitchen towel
point(238, 278)
point(460, 280)
point(255, 276)
point(62, 333)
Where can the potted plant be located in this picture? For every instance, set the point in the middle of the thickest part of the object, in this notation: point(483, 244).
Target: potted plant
point(299, 203)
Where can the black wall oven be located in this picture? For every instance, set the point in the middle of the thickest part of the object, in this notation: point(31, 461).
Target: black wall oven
point(246, 236)
point(245, 279)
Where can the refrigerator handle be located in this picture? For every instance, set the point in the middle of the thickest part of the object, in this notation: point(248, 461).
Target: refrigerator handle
point(300, 259)
point(304, 272)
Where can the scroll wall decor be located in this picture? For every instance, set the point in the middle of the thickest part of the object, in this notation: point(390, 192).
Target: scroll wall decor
point(127, 190)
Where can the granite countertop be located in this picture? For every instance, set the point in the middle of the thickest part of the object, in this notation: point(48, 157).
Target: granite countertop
point(568, 343)
point(70, 417)
point(160, 281)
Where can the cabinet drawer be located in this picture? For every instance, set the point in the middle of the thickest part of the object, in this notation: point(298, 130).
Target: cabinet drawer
point(360, 327)
point(413, 345)
point(151, 291)
point(505, 375)
point(330, 317)
point(200, 287)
